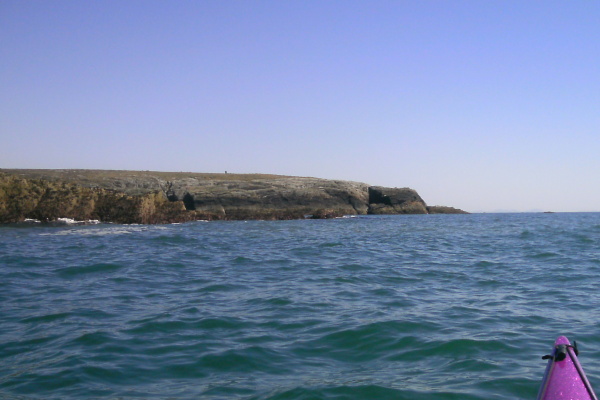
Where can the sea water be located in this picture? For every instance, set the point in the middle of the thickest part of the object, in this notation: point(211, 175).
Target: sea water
point(373, 307)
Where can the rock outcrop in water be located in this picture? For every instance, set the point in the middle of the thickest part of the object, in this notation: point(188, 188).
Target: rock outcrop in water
point(163, 197)
point(384, 200)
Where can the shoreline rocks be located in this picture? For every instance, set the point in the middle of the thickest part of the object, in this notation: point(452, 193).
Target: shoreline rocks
point(164, 197)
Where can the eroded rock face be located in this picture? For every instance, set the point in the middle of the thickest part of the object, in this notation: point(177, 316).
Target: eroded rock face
point(384, 200)
point(281, 197)
point(47, 201)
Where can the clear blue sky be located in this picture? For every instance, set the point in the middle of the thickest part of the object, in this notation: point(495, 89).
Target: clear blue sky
point(481, 105)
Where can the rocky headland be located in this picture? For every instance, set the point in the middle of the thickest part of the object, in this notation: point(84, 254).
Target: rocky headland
point(149, 197)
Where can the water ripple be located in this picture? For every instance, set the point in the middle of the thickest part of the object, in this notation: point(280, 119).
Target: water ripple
point(390, 307)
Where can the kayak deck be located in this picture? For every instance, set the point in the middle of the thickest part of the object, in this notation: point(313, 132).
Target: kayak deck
point(564, 377)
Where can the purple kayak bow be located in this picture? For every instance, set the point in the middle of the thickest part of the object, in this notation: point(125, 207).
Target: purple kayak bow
point(564, 378)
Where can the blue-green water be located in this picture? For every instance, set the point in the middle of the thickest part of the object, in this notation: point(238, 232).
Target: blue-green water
point(391, 307)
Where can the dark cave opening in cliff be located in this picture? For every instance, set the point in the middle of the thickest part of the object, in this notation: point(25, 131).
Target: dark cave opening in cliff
point(188, 202)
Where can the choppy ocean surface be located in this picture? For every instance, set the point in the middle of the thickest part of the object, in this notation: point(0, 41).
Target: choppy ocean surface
point(382, 307)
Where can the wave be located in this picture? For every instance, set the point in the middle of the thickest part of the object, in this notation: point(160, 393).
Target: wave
point(75, 271)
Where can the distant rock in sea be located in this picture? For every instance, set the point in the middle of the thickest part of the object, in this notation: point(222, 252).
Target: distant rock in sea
point(164, 197)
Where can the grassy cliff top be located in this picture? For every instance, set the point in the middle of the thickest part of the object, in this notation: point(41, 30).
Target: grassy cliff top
point(204, 184)
point(83, 175)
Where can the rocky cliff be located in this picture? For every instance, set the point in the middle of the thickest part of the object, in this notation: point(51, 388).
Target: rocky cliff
point(160, 197)
point(46, 201)
point(395, 201)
